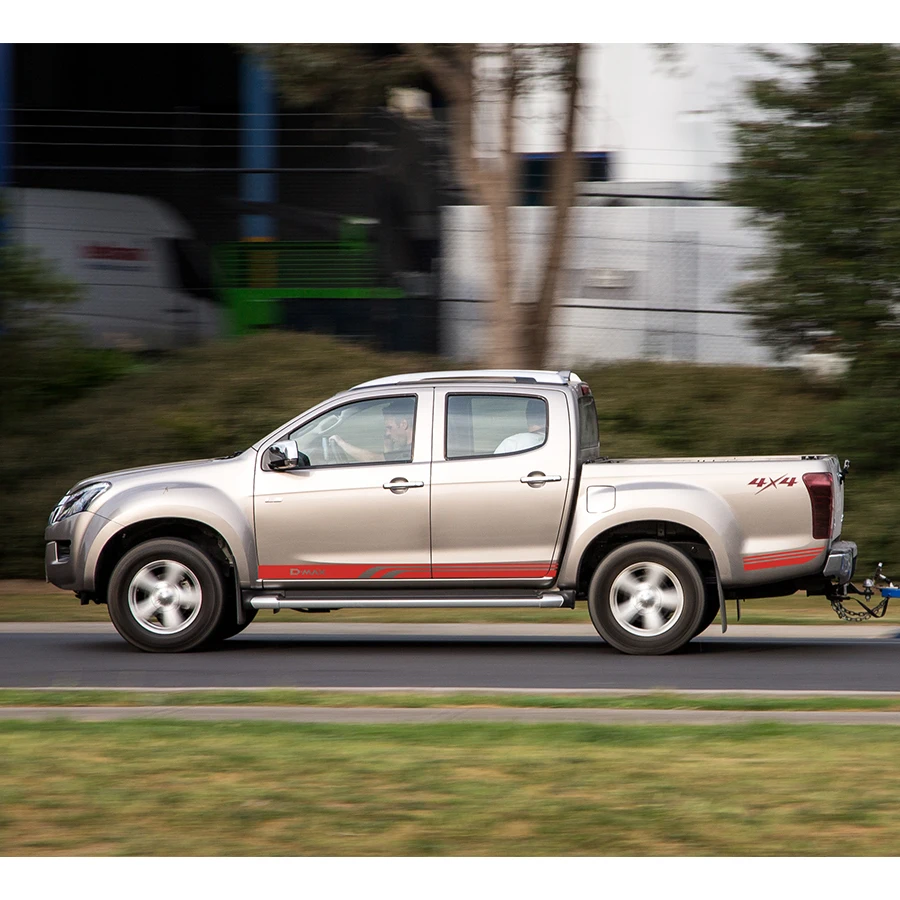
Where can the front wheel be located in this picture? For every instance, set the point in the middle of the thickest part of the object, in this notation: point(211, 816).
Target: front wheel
point(166, 595)
point(646, 598)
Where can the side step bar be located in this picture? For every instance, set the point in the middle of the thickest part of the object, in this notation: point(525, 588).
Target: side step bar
point(547, 600)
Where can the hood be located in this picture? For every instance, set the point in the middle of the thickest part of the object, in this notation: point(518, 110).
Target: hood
point(163, 468)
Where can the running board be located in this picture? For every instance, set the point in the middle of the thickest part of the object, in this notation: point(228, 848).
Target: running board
point(547, 600)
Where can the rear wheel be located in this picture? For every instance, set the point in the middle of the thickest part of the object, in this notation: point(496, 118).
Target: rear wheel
point(647, 598)
point(166, 595)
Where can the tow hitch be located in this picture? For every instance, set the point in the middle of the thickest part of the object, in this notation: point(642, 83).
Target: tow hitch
point(843, 591)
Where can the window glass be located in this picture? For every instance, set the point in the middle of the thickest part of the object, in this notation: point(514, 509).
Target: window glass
point(588, 424)
point(363, 432)
point(493, 424)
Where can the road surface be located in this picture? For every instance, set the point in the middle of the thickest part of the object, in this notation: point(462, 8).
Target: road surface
point(809, 658)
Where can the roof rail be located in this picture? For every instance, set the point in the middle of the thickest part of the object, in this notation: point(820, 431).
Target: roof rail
point(509, 376)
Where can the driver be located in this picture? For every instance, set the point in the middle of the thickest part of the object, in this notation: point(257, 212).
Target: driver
point(399, 418)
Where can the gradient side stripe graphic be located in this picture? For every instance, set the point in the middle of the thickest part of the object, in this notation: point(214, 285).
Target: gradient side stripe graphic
point(782, 553)
point(327, 571)
point(499, 570)
point(781, 558)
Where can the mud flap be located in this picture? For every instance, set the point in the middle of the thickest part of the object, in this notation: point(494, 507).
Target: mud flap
point(721, 599)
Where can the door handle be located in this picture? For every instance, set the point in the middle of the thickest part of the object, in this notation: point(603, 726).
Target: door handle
point(538, 478)
point(401, 484)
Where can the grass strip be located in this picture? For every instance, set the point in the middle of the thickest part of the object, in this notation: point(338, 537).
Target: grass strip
point(152, 788)
point(82, 697)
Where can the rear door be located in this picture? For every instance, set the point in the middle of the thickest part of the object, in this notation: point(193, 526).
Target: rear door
point(500, 480)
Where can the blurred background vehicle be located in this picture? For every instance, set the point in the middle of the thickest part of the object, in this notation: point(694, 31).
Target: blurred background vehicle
point(145, 280)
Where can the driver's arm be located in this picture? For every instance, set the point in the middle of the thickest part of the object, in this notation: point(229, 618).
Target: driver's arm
point(358, 453)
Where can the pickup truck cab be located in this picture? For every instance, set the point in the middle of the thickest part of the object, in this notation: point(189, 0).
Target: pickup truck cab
point(448, 489)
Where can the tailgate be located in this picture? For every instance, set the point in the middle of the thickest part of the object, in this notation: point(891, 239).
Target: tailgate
point(834, 467)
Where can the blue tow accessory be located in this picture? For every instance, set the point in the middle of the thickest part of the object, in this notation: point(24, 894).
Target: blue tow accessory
point(890, 593)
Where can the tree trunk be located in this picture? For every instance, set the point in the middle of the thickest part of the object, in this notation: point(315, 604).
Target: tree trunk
point(504, 326)
point(538, 316)
point(505, 345)
point(516, 334)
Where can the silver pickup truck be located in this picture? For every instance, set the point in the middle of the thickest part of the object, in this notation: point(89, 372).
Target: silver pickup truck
point(449, 489)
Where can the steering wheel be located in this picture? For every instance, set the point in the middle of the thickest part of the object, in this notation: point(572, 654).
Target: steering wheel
point(333, 452)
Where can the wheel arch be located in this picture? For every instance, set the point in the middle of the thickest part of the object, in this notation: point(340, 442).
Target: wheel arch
point(200, 533)
point(686, 539)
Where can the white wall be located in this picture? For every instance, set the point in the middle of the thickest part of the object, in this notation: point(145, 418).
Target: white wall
point(661, 120)
point(639, 283)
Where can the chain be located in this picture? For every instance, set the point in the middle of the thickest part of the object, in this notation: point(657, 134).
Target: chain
point(852, 615)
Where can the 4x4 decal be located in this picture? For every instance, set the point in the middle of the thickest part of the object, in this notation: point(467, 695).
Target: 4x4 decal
point(763, 483)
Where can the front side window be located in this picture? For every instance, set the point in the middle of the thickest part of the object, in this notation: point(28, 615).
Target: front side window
point(494, 424)
point(367, 431)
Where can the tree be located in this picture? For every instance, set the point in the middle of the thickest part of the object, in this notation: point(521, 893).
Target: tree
point(474, 79)
point(817, 164)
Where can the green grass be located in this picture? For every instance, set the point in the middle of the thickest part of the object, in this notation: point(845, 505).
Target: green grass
point(239, 788)
point(93, 697)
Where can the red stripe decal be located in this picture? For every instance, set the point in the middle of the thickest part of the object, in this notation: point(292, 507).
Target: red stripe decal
point(750, 565)
point(495, 570)
point(781, 554)
point(328, 572)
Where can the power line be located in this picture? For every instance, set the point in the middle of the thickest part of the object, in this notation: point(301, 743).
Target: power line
point(662, 309)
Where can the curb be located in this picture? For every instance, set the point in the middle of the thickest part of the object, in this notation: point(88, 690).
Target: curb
point(383, 716)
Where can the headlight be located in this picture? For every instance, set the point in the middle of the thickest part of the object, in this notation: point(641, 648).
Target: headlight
point(78, 501)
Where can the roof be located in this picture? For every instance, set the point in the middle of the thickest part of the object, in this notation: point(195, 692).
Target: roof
point(509, 376)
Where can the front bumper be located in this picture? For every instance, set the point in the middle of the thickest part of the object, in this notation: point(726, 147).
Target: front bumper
point(841, 561)
point(67, 544)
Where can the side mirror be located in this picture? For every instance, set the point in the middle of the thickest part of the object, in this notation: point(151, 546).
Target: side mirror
point(285, 456)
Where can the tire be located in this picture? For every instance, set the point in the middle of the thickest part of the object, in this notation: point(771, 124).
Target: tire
point(710, 611)
point(646, 598)
point(166, 596)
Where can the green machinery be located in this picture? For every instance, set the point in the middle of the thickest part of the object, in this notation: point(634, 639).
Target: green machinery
point(309, 285)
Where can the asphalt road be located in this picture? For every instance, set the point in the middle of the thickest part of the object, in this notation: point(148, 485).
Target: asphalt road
point(561, 657)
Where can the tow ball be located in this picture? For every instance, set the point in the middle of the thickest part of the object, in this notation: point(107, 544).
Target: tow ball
point(880, 582)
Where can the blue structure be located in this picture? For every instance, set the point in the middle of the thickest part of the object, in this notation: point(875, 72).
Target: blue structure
point(6, 102)
point(258, 145)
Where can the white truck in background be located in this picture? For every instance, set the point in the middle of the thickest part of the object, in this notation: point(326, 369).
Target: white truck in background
point(144, 278)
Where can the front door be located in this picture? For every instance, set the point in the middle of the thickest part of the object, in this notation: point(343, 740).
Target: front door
point(360, 512)
point(500, 480)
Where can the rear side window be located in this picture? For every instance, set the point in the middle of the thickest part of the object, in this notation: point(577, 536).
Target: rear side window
point(494, 425)
point(587, 424)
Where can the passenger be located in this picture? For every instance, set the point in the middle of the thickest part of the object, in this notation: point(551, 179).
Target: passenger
point(536, 421)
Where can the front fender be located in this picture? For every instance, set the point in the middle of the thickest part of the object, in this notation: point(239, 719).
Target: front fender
point(692, 506)
point(174, 500)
